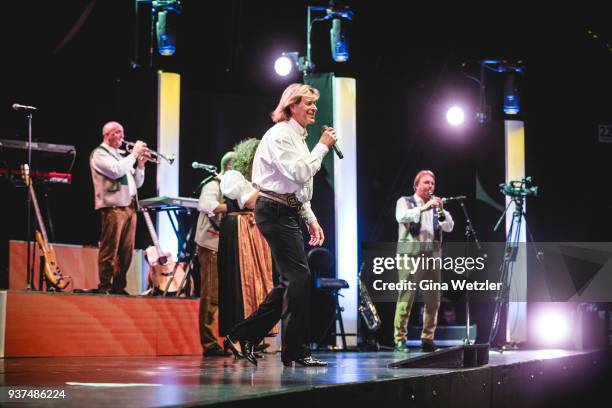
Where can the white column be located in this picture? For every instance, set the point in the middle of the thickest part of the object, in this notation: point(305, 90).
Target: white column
point(168, 138)
point(345, 193)
point(516, 322)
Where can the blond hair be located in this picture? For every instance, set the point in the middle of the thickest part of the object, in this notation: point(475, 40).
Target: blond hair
point(291, 95)
point(420, 175)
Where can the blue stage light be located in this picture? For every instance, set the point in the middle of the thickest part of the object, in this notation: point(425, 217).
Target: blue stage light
point(166, 13)
point(512, 104)
point(339, 45)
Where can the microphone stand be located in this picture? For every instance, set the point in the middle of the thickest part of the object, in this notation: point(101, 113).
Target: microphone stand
point(196, 192)
point(470, 234)
point(30, 268)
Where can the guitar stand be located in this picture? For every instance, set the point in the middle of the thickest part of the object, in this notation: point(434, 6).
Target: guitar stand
point(42, 277)
point(184, 256)
point(41, 267)
point(183, 282)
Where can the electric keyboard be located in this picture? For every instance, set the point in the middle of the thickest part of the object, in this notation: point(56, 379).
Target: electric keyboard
point(165, 203)
point(37, 146)
point(40, 176)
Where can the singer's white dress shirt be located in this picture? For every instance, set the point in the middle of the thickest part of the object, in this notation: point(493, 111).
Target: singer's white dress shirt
point(283, 164)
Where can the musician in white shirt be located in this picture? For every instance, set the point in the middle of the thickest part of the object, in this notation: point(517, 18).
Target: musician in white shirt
point(422, 220)
point(115, 183)
point(212, 207)
point(283, 171)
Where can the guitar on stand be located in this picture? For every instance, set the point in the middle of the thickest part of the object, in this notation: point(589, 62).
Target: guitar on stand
point(165, 276)
point(49, 267)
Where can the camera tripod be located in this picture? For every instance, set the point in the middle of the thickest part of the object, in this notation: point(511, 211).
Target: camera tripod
point(517, 191)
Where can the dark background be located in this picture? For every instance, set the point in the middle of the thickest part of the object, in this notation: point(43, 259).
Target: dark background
point(407, 61)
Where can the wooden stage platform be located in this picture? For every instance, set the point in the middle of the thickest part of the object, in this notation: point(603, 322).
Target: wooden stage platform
point(538, 378)
point(138, 351)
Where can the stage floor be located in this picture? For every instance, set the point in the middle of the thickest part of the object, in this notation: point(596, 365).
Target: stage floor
point(191, 380)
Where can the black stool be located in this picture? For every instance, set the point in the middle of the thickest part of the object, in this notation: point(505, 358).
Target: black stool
point(321, 261)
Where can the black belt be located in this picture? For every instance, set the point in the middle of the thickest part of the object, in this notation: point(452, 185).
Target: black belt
point(290, 200)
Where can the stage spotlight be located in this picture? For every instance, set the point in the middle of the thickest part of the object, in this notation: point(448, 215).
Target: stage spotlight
point(283, 65)
point(455, 116)
point(510, 68)
point(166, 13)
point(552, 327)
point(511, 97)
point(339, 46)
point(337, 32)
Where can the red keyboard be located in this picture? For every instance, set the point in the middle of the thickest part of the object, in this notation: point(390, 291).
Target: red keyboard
point(44, 176)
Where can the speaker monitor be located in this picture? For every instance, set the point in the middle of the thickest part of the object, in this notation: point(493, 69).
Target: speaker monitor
point(473, 355)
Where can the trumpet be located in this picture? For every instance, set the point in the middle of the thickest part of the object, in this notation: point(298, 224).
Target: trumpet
point(154, 157)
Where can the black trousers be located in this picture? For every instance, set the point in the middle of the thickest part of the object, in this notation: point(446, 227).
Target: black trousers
point(290, 298)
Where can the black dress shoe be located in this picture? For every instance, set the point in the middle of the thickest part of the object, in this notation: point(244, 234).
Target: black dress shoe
point(121, 292)
point(246, 347)
point(228, 344)
point(248, 351)
point(216, 352)
point(428, 346)
point(309, 361)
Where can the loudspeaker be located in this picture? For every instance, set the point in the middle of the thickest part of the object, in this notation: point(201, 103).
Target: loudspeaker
point(446, 335)
point(473, 355)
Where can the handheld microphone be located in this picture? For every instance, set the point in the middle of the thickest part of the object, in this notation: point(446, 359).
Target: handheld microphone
point(457, 198)
point(202, 166)
point(18, 106)
point(335, 145)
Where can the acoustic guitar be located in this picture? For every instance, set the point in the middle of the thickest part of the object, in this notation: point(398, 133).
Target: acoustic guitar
point(163, 271)
point(52, 272)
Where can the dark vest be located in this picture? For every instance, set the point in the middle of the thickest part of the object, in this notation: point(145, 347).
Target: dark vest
point(415, 227)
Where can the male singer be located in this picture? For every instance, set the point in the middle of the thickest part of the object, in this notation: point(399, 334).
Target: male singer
point(283, 170)
point(422, 219)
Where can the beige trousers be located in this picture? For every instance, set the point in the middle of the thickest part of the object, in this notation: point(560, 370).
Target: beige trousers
point(406, 298)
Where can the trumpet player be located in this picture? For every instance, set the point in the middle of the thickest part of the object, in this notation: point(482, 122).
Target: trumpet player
point(116, 179)
point(422, 220)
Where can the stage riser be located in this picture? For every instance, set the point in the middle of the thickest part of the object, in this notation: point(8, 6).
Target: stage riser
point(58, 324)
point(77, 262)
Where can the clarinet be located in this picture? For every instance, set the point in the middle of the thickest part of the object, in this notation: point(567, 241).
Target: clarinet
point(438, 210)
